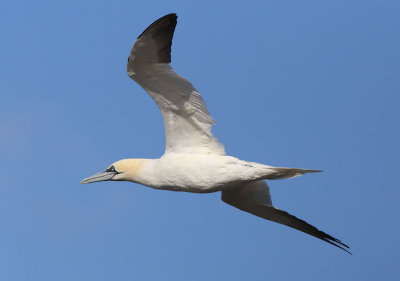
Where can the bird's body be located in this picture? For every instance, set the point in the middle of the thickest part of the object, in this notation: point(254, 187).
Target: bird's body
point(201, 173)
point(194, 160)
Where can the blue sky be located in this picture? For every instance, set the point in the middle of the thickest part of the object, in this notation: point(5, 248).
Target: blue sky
point(309, 84)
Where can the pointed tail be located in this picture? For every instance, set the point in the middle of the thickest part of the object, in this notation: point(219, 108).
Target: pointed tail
point(279, 173)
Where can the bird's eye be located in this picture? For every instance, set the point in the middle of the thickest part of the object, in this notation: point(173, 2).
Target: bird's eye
point(111, 170)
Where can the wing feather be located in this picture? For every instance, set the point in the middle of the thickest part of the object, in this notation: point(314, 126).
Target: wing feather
point(186, 118)
point(255, 198)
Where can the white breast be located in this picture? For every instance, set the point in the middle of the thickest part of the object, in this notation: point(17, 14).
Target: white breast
point(199, 173)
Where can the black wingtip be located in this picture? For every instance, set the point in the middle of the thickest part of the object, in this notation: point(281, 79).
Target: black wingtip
point(170, 17)
point(334, 241)
point(340, 245)
point(305, 227)
point(161, 33)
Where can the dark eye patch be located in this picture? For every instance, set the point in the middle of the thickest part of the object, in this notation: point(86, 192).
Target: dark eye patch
point(111, 170)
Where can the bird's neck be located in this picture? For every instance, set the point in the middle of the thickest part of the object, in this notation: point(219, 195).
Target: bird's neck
point(139, 170)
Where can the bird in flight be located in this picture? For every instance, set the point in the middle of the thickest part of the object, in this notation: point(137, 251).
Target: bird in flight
point(194, 160)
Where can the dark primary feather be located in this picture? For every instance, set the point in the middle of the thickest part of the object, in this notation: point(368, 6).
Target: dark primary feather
point(249, 199)
point(162, 31)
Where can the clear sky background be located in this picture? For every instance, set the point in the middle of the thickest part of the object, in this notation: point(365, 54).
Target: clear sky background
point(309, 84)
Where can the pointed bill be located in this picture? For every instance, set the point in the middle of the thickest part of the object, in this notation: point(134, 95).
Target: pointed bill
point(103, 176)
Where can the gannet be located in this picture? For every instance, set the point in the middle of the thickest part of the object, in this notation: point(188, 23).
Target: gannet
point(194, 160)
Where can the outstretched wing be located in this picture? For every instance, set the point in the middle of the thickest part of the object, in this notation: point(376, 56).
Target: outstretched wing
point(255, 198)
point(186, 118)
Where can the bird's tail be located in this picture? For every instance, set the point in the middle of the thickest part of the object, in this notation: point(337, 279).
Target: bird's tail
point(278, 173)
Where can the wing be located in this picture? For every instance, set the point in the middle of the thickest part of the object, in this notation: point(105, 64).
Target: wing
point(186, 118)
point(255, 198)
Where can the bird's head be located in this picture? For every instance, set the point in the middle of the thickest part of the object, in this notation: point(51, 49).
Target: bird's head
point(123, 170)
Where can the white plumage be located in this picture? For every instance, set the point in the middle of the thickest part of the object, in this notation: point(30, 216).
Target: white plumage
point(194, 160)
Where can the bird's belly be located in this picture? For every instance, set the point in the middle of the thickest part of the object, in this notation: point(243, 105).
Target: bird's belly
point(203, 174)
point(201, 185)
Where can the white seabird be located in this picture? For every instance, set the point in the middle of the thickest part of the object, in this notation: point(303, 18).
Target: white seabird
point(195, 161)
